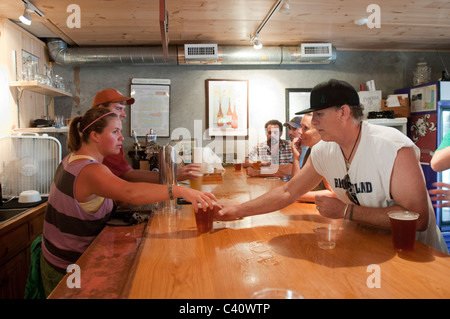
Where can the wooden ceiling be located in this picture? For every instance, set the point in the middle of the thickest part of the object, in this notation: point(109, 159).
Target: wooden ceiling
point(405, 24)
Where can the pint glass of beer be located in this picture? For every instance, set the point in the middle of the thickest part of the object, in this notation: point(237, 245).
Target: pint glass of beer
point(196, 183)
point(204, 219)
point(403, 226)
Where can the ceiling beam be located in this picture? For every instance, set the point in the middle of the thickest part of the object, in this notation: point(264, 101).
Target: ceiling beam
point(164, 26)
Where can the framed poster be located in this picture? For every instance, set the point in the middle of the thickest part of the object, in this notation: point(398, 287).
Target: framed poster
point(296, 100)
point(227, 107)
point(150, 109)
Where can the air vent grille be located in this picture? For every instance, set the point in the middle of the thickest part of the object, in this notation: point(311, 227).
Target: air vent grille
point(316, 50)
point(200, 51)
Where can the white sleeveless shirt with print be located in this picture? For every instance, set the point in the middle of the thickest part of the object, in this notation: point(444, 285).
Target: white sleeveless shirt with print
point(370, 172)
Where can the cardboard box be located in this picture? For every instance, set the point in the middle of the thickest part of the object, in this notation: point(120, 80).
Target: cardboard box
point(399, 111)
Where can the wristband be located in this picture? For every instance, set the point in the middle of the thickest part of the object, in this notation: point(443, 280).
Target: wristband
point(351, 213)
point(170, 191)
point(345, 210)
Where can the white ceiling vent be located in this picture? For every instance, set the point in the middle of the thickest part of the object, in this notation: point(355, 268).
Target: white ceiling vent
point(200, 52)
point(316, 50)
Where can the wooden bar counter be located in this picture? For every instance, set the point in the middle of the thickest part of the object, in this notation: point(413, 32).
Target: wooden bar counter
point(168, 259)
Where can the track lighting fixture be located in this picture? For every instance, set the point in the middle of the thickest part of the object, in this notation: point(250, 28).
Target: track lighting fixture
point(279, 4)
point(257, 44)
point(25, 18)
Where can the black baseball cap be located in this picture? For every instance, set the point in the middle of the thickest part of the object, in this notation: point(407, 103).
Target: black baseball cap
point(331, 93)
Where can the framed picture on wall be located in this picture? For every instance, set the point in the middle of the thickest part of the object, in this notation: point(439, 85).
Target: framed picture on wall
point(227, 107)
point(296, 100)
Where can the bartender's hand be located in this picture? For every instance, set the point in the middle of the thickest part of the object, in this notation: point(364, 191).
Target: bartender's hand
point(330, 207)
point(227, 213)
point(440, 194)
point(195, 197)
point(253, 172)
point(190, 171)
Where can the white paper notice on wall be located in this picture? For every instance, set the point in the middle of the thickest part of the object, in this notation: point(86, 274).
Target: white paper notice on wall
point(396, 100)
point(150, 110)
point(370, 100)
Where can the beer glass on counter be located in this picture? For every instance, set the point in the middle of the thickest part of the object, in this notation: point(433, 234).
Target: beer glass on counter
point(204, 218)
point(196, 183)
point(403, 226)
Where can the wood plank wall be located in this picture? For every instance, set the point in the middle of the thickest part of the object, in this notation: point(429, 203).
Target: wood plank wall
point(20, 112)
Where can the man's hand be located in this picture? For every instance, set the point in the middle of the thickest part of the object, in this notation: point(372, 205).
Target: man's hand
point(440, 194)
point(226, 213)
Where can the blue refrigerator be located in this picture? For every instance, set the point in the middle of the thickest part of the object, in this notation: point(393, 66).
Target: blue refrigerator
point(429, 121)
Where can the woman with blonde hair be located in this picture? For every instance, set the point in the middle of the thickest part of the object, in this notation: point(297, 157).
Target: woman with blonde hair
point(309, 136)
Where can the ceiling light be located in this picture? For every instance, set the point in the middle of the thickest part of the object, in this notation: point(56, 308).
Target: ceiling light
point(25, 18)
point(257, 44)
point(360, 21)
point(285, 7)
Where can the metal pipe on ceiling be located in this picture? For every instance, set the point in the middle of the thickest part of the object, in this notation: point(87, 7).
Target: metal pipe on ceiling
point(62, 54)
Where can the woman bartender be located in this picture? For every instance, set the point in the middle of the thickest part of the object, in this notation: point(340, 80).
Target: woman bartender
point(82, 193)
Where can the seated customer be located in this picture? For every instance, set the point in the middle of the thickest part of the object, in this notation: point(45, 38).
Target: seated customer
point(441, 162)
point(274, 155)
point(309, 136)
point(83, 189)
point(368, 183)
point(294, 127)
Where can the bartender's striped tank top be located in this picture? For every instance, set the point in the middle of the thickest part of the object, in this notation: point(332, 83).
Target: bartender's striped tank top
point(68, 229)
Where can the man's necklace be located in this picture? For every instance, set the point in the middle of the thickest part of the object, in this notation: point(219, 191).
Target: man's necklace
point(347, 161)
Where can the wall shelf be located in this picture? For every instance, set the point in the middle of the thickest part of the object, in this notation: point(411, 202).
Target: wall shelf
point(63, 129)
point(37, 87)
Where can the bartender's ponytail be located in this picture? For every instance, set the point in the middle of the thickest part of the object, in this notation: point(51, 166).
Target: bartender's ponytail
point(95, 119)
point(74, 138)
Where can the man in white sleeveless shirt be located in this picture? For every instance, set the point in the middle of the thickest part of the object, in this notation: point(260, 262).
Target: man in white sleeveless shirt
point(372, 169)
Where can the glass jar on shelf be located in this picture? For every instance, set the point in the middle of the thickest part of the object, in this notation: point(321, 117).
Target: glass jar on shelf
point(59, 82)
point(33, 71)
point(421, 73)
point(50, 76)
